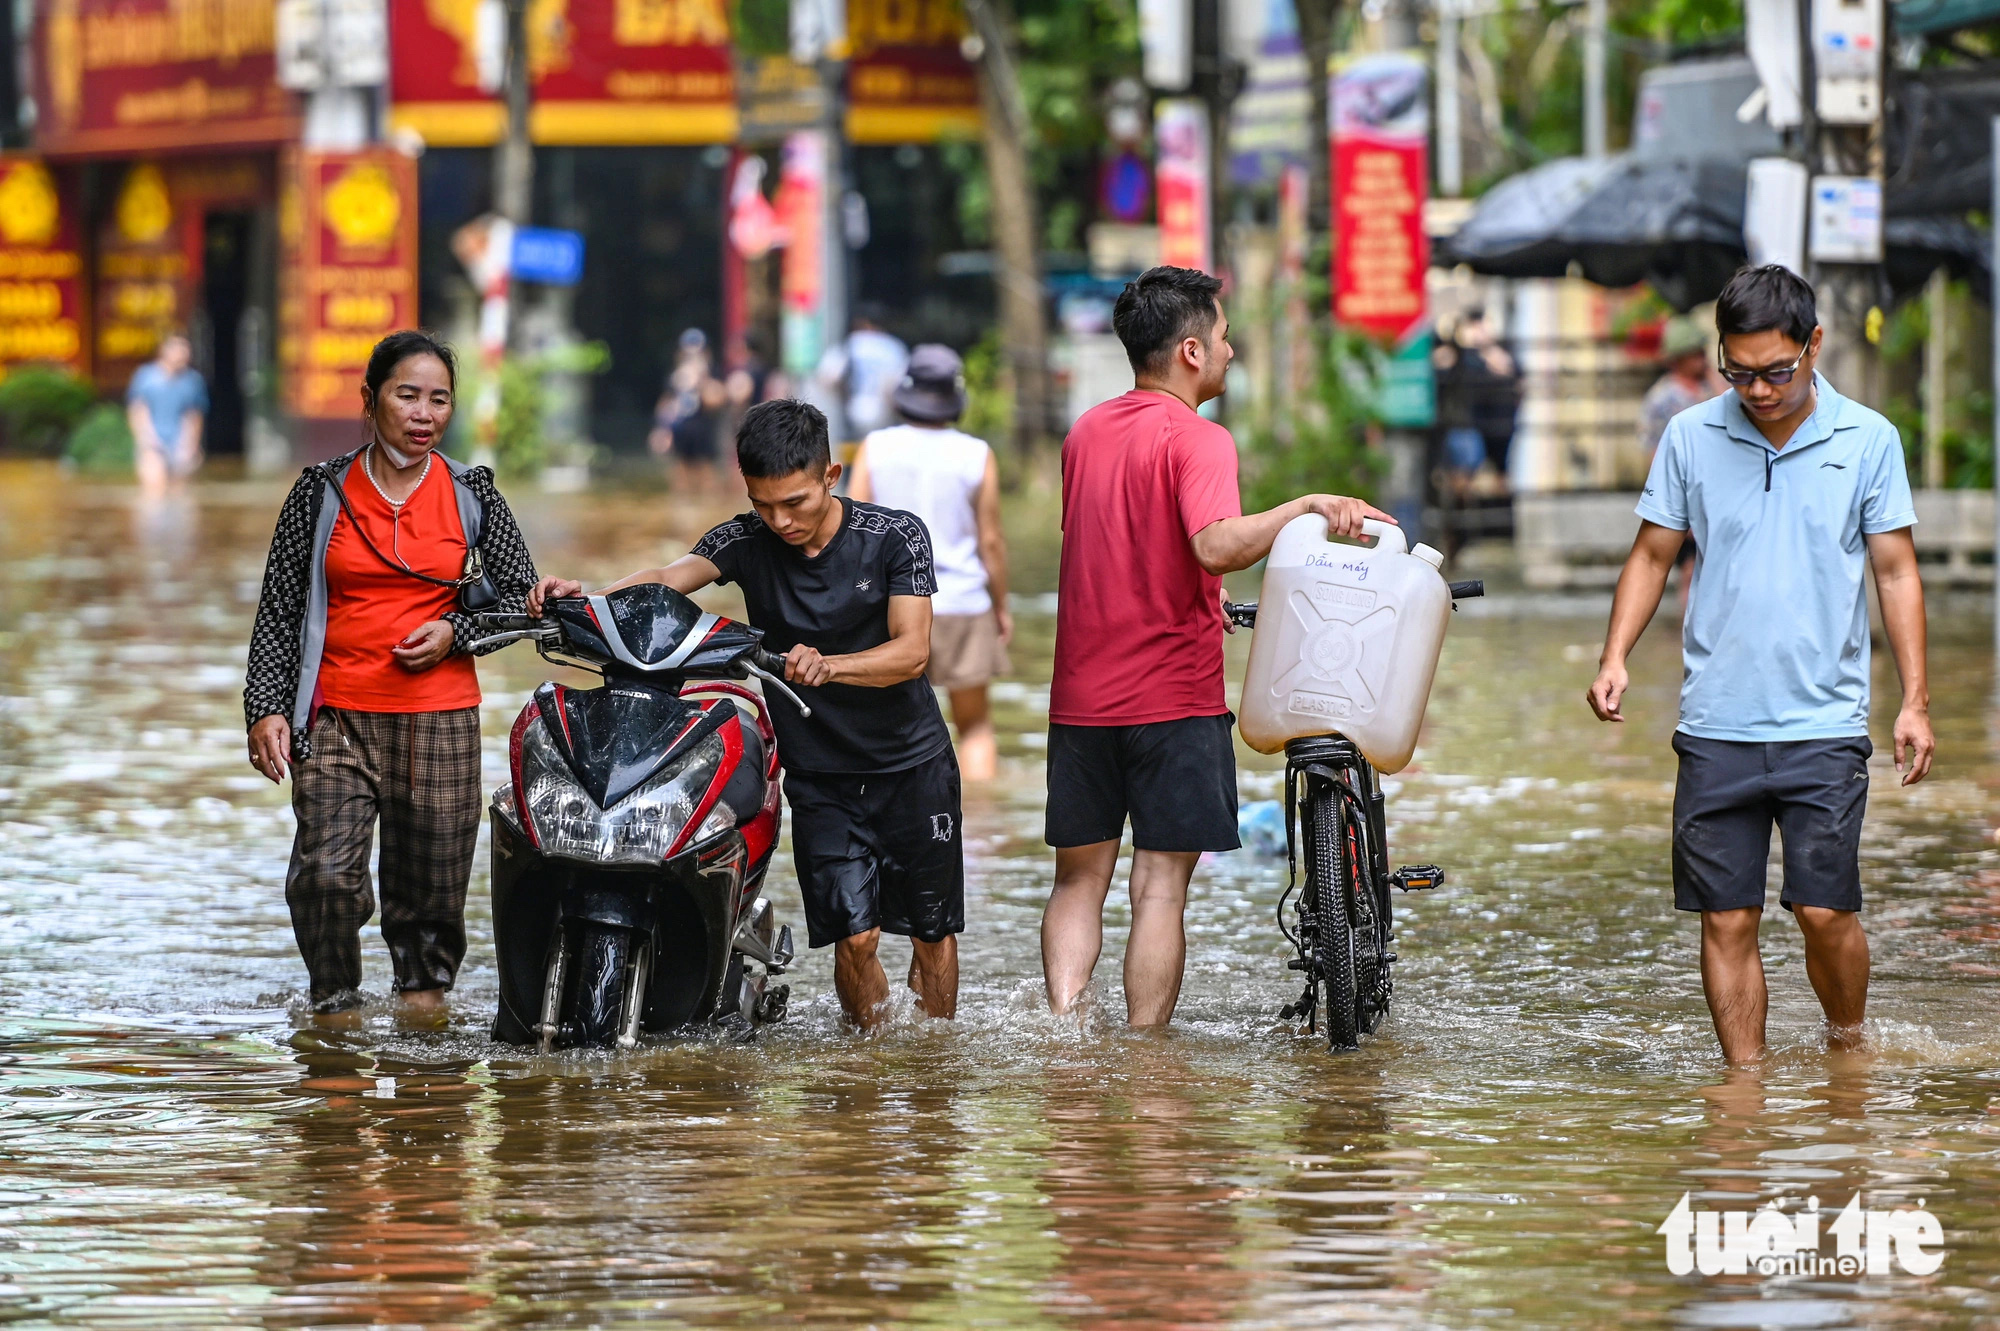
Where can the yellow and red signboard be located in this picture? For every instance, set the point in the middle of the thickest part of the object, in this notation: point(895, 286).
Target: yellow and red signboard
point(41, 269)
point(908, 80)
point(349, 224)
point(144, 277)
point(605, 72)
point(136, 76)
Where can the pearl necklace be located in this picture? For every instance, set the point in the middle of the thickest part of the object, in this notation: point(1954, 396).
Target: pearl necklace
point(368, 466)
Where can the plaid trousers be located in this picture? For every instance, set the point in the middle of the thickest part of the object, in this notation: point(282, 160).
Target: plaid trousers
point(418, 772)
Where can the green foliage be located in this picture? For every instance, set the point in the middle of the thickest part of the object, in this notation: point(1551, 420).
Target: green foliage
point(989, 398)
point(1324, 446)
point(101, 444)
point(39, 407)
point(761, 27)
point(1968, 425)
point(1067, 52)
point(520, 444)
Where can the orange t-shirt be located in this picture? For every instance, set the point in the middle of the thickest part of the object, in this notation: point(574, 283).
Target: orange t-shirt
point(371, 607)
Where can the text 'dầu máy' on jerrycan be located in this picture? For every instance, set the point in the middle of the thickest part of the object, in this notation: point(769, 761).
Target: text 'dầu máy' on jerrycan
point(1346, 643)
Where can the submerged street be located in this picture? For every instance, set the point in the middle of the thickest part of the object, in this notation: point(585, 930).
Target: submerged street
point(183, 1148)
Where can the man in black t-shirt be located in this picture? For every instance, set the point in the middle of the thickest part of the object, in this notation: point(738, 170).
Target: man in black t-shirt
point(843, 590)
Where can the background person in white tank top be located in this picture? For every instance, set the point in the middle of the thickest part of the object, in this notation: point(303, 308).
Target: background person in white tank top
point(951, 481)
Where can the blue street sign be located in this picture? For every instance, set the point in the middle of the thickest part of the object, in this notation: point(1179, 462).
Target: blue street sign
point(547, 255)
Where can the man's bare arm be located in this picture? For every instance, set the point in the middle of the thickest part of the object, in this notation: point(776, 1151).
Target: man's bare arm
point(686, 575)
point(993, 545)
point(1230, 544)
point(1893, 554)
point(903, 657)
point(1639, 588)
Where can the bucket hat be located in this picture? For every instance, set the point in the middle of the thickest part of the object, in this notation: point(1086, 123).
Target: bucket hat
point(933, 387)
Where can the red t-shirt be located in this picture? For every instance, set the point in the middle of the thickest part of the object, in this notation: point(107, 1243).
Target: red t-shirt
point(371, 607)
point(1138, 623)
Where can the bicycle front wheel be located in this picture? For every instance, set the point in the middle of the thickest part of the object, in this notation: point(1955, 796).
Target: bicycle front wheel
point(1332, 944)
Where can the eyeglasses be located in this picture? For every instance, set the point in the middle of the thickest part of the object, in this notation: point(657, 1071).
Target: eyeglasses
point(1777, 378)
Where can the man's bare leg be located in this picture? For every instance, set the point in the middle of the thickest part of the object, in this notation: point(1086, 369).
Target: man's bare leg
point(934, 975)
point(1837, 966)
point(858, 979)
point(1073, 922)
point(978, 747)
point(1157, 953)
point(1732, 977)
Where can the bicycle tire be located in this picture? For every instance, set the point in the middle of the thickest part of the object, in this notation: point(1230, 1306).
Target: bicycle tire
point(602, 955)
point(1333, 925)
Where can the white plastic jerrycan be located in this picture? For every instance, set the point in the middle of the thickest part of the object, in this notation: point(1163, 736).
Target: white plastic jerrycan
point(1346, 643)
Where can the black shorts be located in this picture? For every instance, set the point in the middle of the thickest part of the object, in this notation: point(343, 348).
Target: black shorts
point(1177, 780)
point(1728, 795)
point(879, 851)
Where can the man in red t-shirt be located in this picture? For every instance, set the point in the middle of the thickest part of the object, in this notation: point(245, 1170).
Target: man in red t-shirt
point(1137, 721)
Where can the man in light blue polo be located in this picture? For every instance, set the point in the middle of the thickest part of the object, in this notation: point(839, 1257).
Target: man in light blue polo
point(1789, 490)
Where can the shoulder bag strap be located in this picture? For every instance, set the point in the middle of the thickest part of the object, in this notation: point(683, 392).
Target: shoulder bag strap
point(354, 522)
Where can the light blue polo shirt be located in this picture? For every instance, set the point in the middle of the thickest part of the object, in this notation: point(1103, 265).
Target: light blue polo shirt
point(1775, 644)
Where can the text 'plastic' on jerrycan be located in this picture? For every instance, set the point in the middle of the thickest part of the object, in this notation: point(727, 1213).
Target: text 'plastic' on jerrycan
point(1346, 643)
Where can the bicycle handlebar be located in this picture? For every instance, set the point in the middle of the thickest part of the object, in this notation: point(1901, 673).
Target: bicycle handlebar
point(1465, 591)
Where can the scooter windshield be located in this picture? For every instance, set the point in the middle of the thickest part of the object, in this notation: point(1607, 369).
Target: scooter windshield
point(654, 622)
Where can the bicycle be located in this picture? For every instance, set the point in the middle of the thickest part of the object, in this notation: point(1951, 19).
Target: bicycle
point(1335, 805)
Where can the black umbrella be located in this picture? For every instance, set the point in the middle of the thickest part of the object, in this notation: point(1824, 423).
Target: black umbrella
point(1674, 222)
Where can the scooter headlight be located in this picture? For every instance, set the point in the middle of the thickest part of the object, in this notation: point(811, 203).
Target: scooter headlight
point(639, 829)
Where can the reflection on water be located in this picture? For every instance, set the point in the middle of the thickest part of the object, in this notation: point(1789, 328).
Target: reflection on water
point(179, 1151)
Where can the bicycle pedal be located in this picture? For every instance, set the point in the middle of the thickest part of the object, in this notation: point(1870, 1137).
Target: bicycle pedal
point(1288, 1012)
point(1417, 878)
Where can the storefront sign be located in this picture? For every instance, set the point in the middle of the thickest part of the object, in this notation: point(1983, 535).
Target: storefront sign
point(41, 269)
point(1180, 128)
point(349, 225)
point(605, 72)
point(144, 280)
point(1381, 175)
point(908, 80)
point(137, 76)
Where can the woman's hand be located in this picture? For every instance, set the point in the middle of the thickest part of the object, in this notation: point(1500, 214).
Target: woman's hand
point(427, 645)
point(271, 746)
point(1005, 619)
point(551, 589)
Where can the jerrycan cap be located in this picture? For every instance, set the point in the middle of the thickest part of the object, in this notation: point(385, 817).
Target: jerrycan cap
point(1432, 557)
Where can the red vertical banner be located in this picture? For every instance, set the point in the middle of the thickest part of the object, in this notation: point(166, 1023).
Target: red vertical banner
point(1181, 182)
point(1381, 176)
point(349, 226)
point(41, 269)
point(801, 208)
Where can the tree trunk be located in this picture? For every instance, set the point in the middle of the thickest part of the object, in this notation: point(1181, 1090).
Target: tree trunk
point(1316, 36)
point(1016, 226)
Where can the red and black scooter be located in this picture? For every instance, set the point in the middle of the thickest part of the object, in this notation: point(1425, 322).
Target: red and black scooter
point(630, 843)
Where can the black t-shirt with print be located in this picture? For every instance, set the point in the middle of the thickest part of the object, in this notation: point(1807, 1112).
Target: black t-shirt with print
point(838, 602)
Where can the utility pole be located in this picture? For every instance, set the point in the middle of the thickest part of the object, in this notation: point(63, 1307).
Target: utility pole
point(514, 156)
point(1444, 78)
point(1843, 81)
point(1594, 145)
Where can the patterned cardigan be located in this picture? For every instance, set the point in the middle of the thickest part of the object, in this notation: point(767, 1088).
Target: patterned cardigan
point(277, 643)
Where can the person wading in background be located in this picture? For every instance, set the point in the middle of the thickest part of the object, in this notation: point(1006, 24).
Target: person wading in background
point(166, 404)
point(952, 481)
point(1791, 492)
point(1137, 723)
point(359, 680)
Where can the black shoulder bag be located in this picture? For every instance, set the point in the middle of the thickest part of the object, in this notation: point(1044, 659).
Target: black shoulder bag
point(475, 589)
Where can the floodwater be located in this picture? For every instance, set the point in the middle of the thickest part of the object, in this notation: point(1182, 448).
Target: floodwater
point(179, 1148)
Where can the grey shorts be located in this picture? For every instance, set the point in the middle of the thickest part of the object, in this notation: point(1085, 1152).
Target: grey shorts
point(1730, 793)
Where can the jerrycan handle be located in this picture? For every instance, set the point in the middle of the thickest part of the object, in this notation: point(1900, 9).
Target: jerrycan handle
point(1388, 536)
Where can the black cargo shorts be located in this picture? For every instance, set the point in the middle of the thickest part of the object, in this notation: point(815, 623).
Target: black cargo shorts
point(1729, 795)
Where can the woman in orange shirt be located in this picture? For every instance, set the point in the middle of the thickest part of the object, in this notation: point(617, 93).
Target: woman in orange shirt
point(361, 681)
